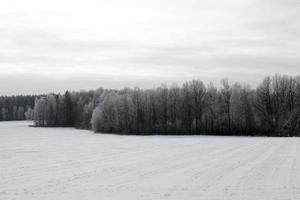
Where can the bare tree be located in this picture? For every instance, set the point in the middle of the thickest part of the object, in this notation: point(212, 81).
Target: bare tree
point(226, 93)
point(272, 109)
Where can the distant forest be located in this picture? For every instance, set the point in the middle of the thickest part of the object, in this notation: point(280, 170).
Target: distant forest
point(272, 109)
point(15, 107)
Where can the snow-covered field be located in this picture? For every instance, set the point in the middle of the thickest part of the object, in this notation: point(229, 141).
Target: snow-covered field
point(64, 163)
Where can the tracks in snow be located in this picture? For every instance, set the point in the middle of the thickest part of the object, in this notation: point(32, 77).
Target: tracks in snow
point(39, 163)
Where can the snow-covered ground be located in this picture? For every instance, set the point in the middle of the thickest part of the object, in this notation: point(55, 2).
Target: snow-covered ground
point(64, 163)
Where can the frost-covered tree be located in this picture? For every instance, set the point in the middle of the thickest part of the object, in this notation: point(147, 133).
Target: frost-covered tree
point(198, 92)
point(40, 112)
point(138, 110)
point(87, 115)
point(125, 113)
point(13, 107)
point(162, 106)
point(211, 117)
point(174, 108)
point(68, 109)
point(226, 112)
point(187, 112)
point(272, 108)
point(29, 114)
point(105, 116)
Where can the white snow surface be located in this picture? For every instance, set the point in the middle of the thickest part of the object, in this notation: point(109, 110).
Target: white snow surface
point(65, 163)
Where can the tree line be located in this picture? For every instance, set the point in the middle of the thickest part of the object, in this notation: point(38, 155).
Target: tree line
point(272, 109)
point(16, 107)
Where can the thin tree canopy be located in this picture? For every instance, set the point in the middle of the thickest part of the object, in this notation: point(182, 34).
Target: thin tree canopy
point(272, 109)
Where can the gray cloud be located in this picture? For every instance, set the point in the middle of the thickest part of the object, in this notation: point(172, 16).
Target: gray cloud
point(118, 44)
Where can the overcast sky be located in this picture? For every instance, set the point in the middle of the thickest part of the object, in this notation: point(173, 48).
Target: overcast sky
point(53, 45)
